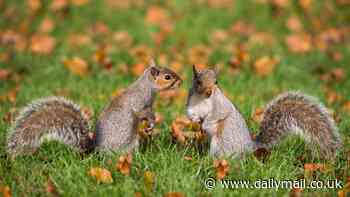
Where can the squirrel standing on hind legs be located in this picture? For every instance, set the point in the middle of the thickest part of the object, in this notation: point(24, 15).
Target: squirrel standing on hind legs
point(59, 119)
point(289, 113)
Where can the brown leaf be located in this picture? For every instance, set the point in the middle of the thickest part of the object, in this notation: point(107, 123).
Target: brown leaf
point(156, 16)
point(309, 168)
point(294, 24)
point(332, 96)
point(176, 132)
point(102, 175)
point(299, 43)
point(149, 180)
point(305, 4)
point(137, 69)
point(188, 158)
point(141, 53)
point(42, 44)
point(296, 192)
point(346, 107)
point(123, 39)
point(57, 5)
point(4, 74)
point(174, 194)
point(265, 65)
point(124, 164)
point(77, 66)
point(6, 191)
point(222, 168)
point(199, 55)
point(34, 5)
point(47, 25)
point(257, 116)
point(261, 153)
point(78, 40)
point(51, 188)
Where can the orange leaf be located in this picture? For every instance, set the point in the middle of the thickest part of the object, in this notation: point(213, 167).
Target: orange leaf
point(138, 69)
point(265, 65)
point(6, 191)
point(42, 44)
point(296, 192)
point(156, 16)
point(124, 164)
point(4, 74)
point(222, 168)
point(294, 24)
point(47, 25)
point(174, 194)
point(299, 43)
point(77, 66)
point(257, 116)
point(58, 4)
point(102, 175)
point(79, 2)
point(51, 188)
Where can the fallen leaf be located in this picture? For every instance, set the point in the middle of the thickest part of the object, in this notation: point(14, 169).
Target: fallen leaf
point(242, 28)
point(102, 175)
point(296, 192)
point(309, 168)
point(305, 4)
point(123, 39)
point(294, 24)
point(57, 5)
point(124, 164)
point(188, 158)
point(346, 107)
point(51, 188)
point(261, 153)
point(42, 44)
point(299, 43)
point(332, 96)
point(77, 66)
point(141, 53)
point(199, 55)
point(220, 3)
point(149, 181)
point(281, 3)
point(4, 74)
point(156, 16)
point(78, 40)
point(6, 191)
point(345, 191)
point(47, 25)
point(174, 194)
point(137, 69)
point(222, 168)
point(265, 65)
point(257, 115)
point(34, 5)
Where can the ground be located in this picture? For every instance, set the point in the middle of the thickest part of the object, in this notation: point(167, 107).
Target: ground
point(88, 50)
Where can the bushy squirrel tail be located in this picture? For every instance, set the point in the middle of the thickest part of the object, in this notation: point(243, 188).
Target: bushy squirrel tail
point(53, 118)
point(296, 113)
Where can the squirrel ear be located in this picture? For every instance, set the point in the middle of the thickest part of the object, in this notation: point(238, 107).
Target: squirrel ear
point(195, 72)
point(152, 63)
point(154, 71)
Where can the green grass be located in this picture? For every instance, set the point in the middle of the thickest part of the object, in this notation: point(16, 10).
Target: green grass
point(44, 75)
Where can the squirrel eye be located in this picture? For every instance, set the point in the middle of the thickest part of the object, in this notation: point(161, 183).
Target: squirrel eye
point(167, 77)
point(216, 82)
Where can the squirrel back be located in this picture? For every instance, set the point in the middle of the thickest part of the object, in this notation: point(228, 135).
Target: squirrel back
point(288, 114)
point(52, 118)
point(296, 113)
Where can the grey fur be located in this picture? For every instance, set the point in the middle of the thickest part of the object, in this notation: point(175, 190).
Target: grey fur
point(42, 120)
point(291, 113)
point(59, 119)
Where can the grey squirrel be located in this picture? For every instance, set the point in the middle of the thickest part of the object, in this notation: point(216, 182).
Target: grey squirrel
point(56, 118)
point(289, 113)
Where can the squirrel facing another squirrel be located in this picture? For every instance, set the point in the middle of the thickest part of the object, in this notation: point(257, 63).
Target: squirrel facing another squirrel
point(56, 118)
point(289, 113)
point(59, 119)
